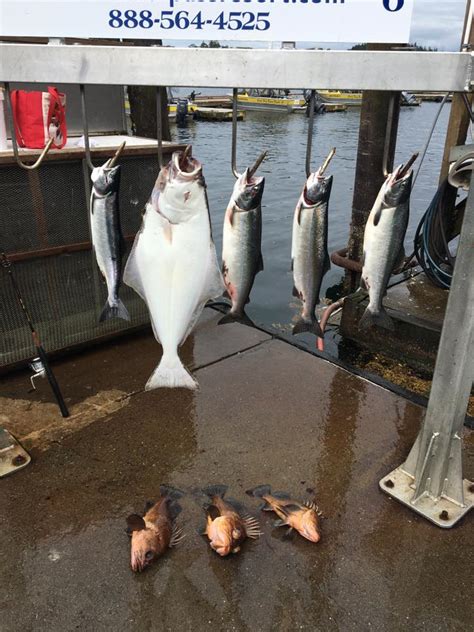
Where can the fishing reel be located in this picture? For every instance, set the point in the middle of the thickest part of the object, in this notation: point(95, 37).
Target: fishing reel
point(38, 368)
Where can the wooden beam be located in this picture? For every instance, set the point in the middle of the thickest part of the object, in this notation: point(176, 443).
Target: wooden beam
point(459, 118)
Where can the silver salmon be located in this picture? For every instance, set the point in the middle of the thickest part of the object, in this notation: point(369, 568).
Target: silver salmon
point(383, 244)
point(107, 237)
point(242, 244)
point(309, 251)
point(173, 264)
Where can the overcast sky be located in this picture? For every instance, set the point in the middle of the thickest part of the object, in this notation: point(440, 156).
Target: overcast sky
point(436, 23)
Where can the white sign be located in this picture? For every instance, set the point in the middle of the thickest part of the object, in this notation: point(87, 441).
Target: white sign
point(244, 20)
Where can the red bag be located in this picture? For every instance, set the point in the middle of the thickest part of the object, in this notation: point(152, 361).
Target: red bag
point(38, 116)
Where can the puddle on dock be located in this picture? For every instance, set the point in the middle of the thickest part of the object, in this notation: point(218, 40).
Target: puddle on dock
point(265, 413)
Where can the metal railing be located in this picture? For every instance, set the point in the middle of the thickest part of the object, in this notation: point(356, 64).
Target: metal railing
point(227, 68)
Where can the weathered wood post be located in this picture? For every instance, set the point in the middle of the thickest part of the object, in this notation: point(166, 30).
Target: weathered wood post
point(459, 117)
point(142, 101)
point(456, 135)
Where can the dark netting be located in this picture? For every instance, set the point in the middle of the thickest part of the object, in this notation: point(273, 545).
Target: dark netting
point(47, 209)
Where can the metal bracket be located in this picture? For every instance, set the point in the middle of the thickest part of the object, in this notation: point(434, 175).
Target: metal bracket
point(13, 456)
point(430, 481)
point(443, 512)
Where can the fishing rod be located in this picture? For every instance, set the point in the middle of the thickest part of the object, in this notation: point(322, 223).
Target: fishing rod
point(6, 264)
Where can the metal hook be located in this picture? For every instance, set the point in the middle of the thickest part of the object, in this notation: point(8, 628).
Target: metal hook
point(159, 128)
point(85, 127)
point(388, 135)
point(111, 162)
point(309, 142)
point(234, 133)
point(11, 124)
point(261, 157)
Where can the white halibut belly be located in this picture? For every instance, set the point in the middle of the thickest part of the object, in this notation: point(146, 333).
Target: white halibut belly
point(173, 274)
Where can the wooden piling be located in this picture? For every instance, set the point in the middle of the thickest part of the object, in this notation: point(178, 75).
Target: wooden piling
point(142, 101)
point(459, 117)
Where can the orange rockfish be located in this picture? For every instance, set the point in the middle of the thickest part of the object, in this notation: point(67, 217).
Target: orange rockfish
point(301, 517)
point(156, 531)
point(225, 527)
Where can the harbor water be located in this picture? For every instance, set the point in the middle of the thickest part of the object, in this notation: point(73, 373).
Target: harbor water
point(284, 137)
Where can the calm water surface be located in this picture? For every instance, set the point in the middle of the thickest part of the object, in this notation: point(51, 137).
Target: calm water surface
point(284, 137)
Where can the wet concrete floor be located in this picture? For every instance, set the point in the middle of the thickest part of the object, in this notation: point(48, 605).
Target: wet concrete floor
point(265, 413)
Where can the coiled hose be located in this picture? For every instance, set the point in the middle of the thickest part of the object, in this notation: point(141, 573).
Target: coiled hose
point(431, 244)
point(434, 231)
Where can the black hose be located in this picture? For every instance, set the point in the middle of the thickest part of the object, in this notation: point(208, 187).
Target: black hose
point(431, 241)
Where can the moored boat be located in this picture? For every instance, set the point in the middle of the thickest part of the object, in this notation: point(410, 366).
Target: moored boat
point(270, 101)
point(353, 99)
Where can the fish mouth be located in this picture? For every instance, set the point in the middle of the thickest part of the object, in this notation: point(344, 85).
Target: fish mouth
point(251, 191)
point(188, 169)
point(312, 537)
point(398, 185)
point(399, 174)
point(317, 188)
point(222, 549)
point(138, 564)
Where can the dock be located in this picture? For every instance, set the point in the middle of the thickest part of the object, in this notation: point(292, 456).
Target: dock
point(335, 107)
point(213, 101)
point(435, 97)
point(417, 308)
point(266, 412)
point(216, 114)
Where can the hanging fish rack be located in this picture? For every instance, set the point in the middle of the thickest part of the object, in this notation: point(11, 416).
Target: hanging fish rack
point(433, 469)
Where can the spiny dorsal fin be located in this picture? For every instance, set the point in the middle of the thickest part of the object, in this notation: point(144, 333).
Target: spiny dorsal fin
point(176, 536)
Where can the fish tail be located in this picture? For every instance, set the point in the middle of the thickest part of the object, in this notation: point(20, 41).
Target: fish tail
point(236, 317)
point(118, 310)
point(259, 491)
point(215, 490)
point(170, 373)
point(380, 318)
point(313, 327)
point(171, 492)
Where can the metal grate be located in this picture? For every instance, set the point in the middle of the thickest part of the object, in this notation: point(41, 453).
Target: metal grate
point(44, 228)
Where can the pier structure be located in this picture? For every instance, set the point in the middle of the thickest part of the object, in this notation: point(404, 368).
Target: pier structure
point(439, 438)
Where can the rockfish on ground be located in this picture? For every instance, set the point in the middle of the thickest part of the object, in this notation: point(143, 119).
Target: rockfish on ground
point(383, 243)
point(309, 250)
point(242, 244)
point(173, 264)
point(225, 527)
point(301, 517)
point(107, 238)
point(156, 531)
